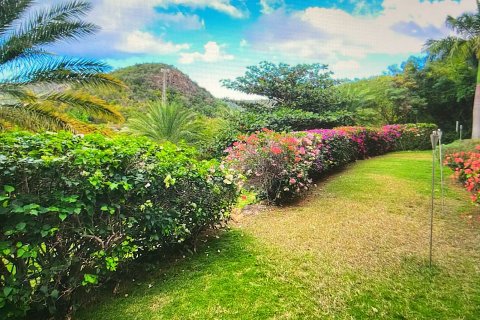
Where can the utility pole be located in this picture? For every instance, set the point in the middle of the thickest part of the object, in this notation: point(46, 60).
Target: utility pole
point(164, 88)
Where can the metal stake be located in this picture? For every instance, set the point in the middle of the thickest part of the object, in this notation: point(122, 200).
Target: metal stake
point(440, 133)
point(434, 139)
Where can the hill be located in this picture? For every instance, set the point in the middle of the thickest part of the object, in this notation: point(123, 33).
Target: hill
point(145, 82)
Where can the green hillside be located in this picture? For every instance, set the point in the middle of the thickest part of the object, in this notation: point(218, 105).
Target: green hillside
point(144, 84)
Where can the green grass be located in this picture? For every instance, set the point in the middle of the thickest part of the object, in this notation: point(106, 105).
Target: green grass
point(356, 248)
point(463, 145)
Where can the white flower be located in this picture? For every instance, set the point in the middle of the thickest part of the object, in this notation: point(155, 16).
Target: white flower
point(147, 185)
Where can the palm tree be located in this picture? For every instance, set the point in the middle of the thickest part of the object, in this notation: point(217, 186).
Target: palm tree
point(170, 122)
point(34, 84)
point(466, 45)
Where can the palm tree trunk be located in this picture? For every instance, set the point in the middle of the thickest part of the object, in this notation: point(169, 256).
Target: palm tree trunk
point(476, 109)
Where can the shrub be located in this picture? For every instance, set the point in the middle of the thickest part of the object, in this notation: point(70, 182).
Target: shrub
point(285, 119)
point(466, 166)
point(74, 209)
point(280, 166)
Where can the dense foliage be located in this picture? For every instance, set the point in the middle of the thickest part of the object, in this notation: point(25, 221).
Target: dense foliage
point(465, 46)
point(280, 166)
point(74, 209)
point(308, 87)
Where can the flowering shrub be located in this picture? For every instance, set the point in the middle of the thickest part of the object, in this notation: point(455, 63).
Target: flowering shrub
point(74, 209)
point(275, 164)
point(280, 166)
point(466, 166)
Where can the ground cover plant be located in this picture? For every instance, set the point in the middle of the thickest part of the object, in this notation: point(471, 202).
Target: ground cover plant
point(75, 209)
point(357, 247)
point(281, 166)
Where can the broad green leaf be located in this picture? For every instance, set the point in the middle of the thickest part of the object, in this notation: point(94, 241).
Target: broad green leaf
point(21, 226)
point(7, 291)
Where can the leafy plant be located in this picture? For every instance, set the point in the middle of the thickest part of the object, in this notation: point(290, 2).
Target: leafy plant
point(32, 81)
point(170, 122)
point(76, 209)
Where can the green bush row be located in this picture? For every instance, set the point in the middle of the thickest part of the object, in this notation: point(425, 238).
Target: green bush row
point(74, 209)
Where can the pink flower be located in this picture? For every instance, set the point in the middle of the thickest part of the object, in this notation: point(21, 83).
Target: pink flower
point(292, 181)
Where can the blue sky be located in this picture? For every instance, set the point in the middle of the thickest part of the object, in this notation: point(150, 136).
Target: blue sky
point(212, 40)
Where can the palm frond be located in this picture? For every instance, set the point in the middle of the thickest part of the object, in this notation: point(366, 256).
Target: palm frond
point(11, 11)
point(63, 70)
point(44, 34)
point(467, 25)
point(167, 123)
point(92, 105)
point(9, 91)
point(66, 11)
point(35, 117)
point(449, 46)
point(47, 26)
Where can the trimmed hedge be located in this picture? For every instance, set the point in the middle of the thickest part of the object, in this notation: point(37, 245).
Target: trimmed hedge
point(280, 166)
point(74, 209)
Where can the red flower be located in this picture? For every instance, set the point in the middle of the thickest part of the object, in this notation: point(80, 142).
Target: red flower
point(276, 150)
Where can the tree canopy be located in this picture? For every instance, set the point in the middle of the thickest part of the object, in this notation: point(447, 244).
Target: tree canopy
point(308, 87)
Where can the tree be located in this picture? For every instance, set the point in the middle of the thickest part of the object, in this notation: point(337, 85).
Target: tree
point(34, 84)
point(170, 122)
point(384, 99)
point(307, 87)
point(465, 45)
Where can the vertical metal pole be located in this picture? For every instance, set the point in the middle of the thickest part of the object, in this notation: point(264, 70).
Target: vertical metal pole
point(431, 212)
point(434, 139)
point(456, 126)
point(461, 128)
point(442, 185)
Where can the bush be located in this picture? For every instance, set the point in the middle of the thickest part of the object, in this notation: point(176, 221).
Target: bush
point(466, 166)
point(280, 166)
point(285, 119)
point(74, 209)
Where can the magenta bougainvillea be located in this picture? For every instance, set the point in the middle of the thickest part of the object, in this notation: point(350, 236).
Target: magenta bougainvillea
point(281, 166)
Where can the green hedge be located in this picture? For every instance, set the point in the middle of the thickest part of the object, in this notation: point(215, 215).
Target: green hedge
point(74, 209)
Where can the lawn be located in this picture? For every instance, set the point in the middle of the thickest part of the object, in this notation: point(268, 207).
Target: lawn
point(357, 247)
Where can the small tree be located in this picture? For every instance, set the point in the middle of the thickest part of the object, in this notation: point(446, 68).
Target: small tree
point(170, 122)
point(308, 87)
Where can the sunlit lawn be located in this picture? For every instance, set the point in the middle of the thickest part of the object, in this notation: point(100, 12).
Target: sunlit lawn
point(356, 248)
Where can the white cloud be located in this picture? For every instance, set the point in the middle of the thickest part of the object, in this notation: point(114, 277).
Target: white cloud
point(269, 6)
point(111, 10)
point(244, 43)
point(325, 33)
point(213, 53)
point(144, 42)
point(181, 21)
